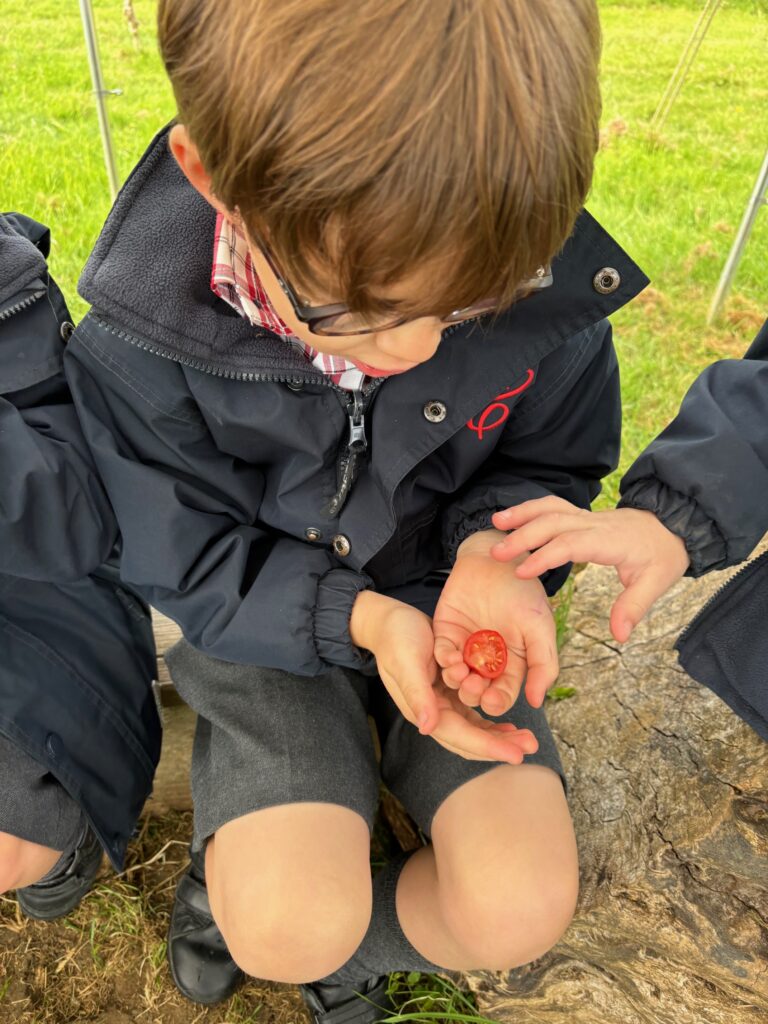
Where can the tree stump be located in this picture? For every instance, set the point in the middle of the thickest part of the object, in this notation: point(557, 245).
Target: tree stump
point(669, 795)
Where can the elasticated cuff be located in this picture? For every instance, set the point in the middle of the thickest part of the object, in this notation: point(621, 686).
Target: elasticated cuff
point(683, 516)
point(337, 591)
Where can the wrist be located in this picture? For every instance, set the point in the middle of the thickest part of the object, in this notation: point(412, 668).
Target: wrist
point(480, 543)
point(367, 613)
point(679, 556)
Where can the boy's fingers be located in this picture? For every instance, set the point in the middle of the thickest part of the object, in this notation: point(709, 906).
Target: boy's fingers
point(537, 533)
point(497, 700)
point(446, 652)
point(455, 675)
point(517, 515)
point(543, 664)
point(475, 743)
point(634, 603)
point(418, 695)
point(472, 689)
point(575, 546)
point(504, 691)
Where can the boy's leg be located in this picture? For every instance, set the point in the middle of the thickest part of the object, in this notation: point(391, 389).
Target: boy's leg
point(503, 857)
point(23, 863)
point(47, 853)
point(285, 785)
point(290, 889)
point(498, 886)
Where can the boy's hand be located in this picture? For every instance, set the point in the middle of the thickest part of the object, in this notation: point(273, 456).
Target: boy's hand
point(648, 557)
point(402, 641)
point(482, 593)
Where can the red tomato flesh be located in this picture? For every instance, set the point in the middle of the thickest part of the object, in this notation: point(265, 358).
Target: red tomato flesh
point(486, 653)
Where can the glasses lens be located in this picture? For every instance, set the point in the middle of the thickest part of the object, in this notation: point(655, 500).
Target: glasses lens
point(351, 323)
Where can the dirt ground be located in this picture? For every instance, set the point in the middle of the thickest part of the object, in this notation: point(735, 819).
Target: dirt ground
point(106, 962)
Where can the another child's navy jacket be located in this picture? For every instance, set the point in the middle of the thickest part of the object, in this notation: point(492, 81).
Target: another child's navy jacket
point(706, 479)
point(255, 498)
point(76, 648)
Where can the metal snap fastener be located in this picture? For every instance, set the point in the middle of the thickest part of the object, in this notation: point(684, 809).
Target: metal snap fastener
point(435, 411)
point(341, 545)
point(312, 533)
point(295, 385)
point(66, 330)
point(606, 281)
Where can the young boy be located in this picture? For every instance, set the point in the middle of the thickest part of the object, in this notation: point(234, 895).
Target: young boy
point(79, 731)
point(325, 347)
point(693, 502)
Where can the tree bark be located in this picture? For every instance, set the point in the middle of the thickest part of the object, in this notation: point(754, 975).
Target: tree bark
point(668, 790)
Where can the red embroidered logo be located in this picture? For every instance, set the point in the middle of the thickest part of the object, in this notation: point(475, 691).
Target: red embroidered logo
point(498, 408)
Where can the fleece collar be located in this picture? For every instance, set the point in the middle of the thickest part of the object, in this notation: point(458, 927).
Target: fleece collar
point(149, 276)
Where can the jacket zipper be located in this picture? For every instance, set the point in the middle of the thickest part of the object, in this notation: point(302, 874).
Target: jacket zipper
point(718, 594)
point(218, 371)
point(215, 371)
point(8, 313)
point(357, 445)
point(349, 461)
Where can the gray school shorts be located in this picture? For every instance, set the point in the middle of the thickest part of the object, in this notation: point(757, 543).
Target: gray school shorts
point(33, 805)
point(267, 737)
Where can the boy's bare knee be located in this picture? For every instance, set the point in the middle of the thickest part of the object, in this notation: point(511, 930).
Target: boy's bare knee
point(17, 863)
point(512, 925)
point(276, 944)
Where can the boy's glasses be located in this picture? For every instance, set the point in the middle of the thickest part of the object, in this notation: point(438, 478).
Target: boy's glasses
point(337, 320)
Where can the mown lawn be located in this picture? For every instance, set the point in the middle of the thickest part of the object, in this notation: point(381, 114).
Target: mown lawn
point(673, 199)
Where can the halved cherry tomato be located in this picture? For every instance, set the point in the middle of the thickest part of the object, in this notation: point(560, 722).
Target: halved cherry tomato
point(486, 653)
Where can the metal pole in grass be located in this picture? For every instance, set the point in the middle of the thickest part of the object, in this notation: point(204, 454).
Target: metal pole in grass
point(759, 198)
point(89, 27)
point(680, 73)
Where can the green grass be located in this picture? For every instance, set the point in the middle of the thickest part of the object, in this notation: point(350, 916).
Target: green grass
point(673, 199)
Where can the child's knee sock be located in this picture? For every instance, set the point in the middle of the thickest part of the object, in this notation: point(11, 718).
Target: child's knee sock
point(385, 947)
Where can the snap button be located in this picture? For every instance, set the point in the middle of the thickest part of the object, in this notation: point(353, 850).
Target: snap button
point(53, 745)
point(606, 281)
point(341, 545)
point(312, 533)
point(435, 411)
point(66, 330)
point(294, 385)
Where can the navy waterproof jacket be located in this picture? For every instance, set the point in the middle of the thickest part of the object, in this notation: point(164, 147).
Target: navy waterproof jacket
point(255, 498)
point(705, 477)
point(76, 647)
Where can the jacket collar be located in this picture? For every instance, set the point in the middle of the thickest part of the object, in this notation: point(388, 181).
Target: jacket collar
point(22, 263)
point(149, 274)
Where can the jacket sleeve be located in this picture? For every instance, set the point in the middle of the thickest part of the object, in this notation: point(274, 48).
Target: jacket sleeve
point(55, 520)
point(191, 543)
point(562, 438)
point(705, 476)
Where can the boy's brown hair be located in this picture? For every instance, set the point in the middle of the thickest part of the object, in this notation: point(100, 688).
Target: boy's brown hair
point(454, 134)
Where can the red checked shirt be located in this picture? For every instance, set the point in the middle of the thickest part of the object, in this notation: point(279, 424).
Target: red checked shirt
point(234, 279)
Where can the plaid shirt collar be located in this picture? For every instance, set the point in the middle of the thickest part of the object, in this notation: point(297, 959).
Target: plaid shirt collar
point(234, 279)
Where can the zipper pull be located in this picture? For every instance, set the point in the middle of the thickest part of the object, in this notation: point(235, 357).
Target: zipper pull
point(357, 440)
point(349, 463)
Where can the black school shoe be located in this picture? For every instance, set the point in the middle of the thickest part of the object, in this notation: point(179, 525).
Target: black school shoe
point(340, 1004)
point(201, 966)
point(59, 895)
